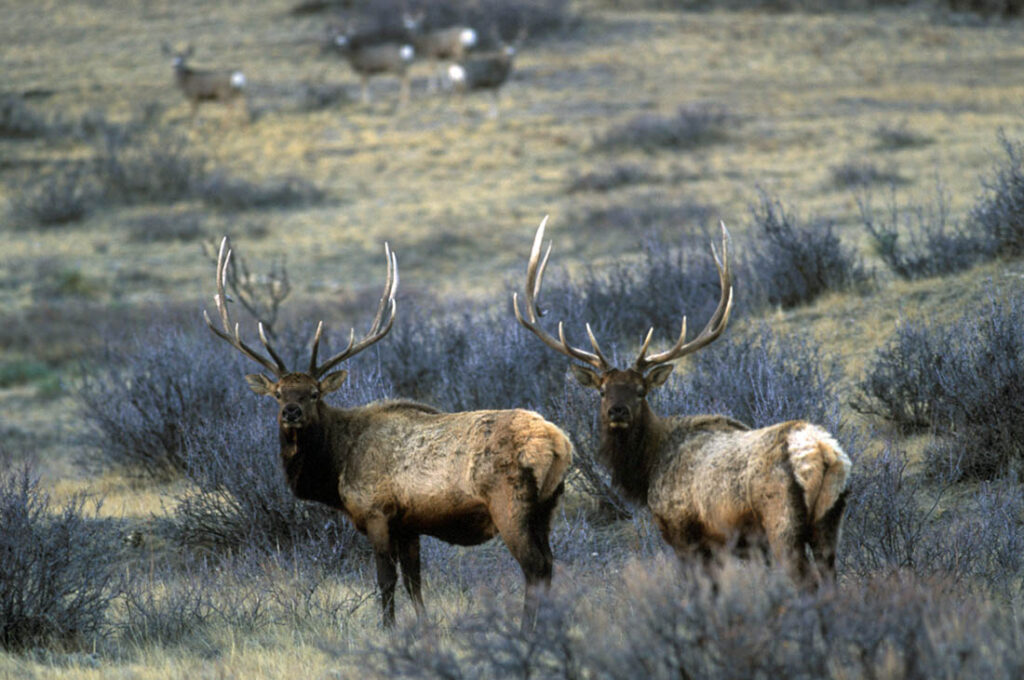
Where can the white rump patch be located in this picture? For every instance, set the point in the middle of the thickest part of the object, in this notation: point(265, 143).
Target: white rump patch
point(820, 466)
point(457, 73)
point(238, 80)
point(467, 37)
point(407, 52)
point(340, 40)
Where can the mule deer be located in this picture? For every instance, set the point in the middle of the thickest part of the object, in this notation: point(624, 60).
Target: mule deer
point(485, 71)
point(710, 481)
point(399, 469)
point(378, 52)
point(205, 85)
point(449, 43)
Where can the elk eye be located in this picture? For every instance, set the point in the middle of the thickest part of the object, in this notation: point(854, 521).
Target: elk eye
point(314, 394)
point(277, 394)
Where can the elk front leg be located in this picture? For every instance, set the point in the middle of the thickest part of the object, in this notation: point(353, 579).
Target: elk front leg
point(409, 558)
point(384, 551)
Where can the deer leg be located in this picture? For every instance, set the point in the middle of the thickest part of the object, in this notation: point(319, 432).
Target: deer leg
point(434, 78)
point(403, 94)
point(384, 552)
point(364, 93)
point(409, 558)
point(825, 540)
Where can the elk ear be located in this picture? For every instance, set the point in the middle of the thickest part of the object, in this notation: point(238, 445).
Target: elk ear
point(333, 381)
point(588, 377)
point(658, 376)
point(259, 383)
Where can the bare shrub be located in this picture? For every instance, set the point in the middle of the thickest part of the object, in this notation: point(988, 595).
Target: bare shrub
point(58, 571)
point(691, 127)
point(162, 169)
point(19, 121)
point(934, 245)
point(797, 263)
point(145, 398)
point(963, 380)
point(63, 195)
point(902, 382)
point(998, 215)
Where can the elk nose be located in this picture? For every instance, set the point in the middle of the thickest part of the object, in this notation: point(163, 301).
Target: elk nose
point(618, 413)
point(291, 412)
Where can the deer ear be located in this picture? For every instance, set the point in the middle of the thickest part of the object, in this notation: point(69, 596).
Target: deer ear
point(588, 377)
point(259, 383)
point(333, 381)
point(658, 376)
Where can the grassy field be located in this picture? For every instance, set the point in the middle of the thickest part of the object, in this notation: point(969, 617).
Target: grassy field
point(805, 100)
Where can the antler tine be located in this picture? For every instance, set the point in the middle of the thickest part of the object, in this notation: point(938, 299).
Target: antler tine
point(534, 276)
point(277, 367)
point(375, 332)
point(716, 324)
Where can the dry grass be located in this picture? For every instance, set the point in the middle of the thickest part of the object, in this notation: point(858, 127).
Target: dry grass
point(458, 195)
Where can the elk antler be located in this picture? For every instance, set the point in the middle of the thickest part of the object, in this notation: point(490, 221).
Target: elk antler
point(715, 325)
point(534, 276)
point(233, 337)
point(378, 329)
point(375, 333)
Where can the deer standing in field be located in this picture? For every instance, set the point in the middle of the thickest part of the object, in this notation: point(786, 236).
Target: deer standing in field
point(399, 469)
point(206, 85)
point(486, 71)
point(436, 45)
point(372, 53)
point(710, 481)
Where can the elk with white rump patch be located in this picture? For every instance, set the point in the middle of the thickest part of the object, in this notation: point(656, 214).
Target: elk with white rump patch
point(206, 85)
point(710, 481)
point(399, 469)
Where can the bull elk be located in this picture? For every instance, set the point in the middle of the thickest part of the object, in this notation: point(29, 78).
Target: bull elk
point(205, 85)
point(711, 482)
point(400, 469)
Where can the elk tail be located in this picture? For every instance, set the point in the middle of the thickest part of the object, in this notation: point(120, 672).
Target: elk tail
point(820, 466)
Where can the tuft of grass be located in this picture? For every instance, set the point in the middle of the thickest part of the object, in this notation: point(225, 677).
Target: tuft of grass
point(19, 121)
point(219, 190)
point(863, 173)
point(60, 197)
point(691, 127)
point(998, 215)
point(896, 137)
point(610, 178)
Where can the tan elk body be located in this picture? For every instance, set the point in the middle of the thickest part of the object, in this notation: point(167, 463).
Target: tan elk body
point(711, 482)
point(400, 469)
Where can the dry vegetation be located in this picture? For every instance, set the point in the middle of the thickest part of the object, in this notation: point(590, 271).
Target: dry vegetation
point(635, 128)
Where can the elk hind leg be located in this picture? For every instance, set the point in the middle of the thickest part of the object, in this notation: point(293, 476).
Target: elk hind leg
point(825, 539)
point(385, 551)
point(409, 559)
point(789, 531)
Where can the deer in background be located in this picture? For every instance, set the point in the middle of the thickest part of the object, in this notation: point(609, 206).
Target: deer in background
point(436, 45)
point(400, 469)
point(711, 482)
point(205, 85)
point(377, 52)
point(486, 71)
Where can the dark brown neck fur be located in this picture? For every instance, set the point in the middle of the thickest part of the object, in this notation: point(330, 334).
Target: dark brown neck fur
point(632, 454)
point(312, 472)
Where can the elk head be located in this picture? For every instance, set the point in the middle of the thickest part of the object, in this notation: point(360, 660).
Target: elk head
point(623, 392)
point(299, 393)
